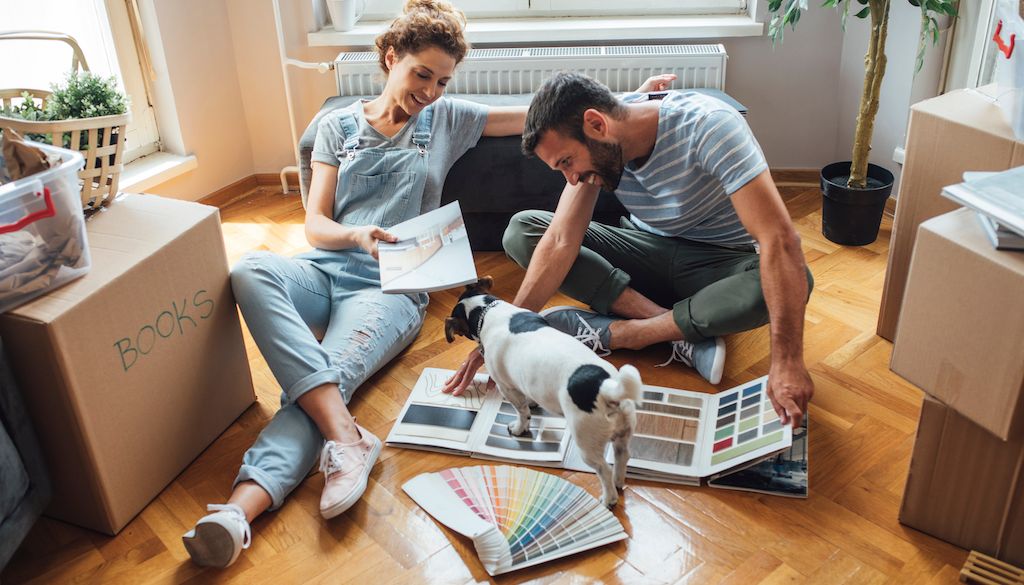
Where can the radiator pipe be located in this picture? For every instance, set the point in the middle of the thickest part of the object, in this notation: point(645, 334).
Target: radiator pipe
point(285, 62)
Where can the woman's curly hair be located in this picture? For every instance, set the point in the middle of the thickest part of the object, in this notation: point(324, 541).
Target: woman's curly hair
point(423, 24)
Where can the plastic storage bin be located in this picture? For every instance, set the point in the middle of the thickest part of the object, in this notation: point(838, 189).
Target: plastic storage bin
point(42, 230)
point(1009, 39)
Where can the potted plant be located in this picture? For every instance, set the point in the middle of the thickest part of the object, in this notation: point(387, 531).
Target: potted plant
point(85, 112)
point(854, 192)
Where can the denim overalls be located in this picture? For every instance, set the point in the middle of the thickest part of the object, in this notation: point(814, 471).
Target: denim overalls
point(289, 302)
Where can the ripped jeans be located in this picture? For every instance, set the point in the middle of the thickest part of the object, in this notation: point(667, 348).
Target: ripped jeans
point(290, 303)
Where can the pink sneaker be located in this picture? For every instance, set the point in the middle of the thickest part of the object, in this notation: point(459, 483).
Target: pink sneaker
point(346, 470)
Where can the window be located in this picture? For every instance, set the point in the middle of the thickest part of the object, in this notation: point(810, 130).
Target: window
point(103, 30)
point(387, 9)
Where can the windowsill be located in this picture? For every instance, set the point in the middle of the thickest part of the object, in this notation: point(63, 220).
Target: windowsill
point(151, 170)
point(505, 31)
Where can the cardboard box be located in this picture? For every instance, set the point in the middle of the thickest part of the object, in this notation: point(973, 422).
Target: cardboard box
point(961, 333)
point(965, 485)
point(956, 132)
point(131, 371)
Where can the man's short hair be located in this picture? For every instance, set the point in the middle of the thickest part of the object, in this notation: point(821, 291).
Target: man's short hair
point(559, 105)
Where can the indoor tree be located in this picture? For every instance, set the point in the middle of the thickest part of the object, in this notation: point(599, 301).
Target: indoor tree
point(788, 12)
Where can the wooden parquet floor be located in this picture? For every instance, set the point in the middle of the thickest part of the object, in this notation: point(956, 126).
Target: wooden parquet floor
point(863, 422)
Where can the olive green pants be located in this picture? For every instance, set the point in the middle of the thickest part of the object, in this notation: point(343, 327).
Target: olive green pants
point(712, 290)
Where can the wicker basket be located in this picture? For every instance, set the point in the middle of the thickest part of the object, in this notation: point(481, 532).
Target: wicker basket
point(103, 162)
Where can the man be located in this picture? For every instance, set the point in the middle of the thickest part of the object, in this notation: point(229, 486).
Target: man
point(709, 248)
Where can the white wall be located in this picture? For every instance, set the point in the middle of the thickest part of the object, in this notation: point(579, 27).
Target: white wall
point(229, 92)
point(199, 65)
point(791, 90)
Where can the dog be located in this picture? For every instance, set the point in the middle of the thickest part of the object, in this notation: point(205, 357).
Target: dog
point(532, 362)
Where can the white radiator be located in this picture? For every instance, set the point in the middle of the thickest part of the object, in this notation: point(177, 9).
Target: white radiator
point(522, 70)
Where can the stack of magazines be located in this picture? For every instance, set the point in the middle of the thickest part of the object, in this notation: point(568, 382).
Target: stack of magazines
point(998, 199)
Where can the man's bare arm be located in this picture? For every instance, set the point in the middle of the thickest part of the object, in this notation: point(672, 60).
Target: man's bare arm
point(558, 247)
point(784, 282)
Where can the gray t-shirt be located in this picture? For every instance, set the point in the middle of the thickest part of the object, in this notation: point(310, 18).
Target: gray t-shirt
point(456, 127)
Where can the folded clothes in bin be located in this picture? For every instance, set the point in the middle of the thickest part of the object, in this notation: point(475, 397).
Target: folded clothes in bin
point(42, 230)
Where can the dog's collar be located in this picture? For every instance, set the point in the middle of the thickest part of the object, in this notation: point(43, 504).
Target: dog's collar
point(480, 323)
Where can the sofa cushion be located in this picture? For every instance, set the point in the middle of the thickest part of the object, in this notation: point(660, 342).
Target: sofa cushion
point(14, 479)
point(24, 485)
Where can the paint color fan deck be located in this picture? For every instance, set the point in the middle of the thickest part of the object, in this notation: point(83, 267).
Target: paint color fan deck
point(516, 517)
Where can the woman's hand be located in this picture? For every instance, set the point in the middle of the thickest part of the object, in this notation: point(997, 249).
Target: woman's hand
point(367, 236)
point(657, 83)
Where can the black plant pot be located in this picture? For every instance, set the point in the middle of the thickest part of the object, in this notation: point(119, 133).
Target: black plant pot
point(852, 216)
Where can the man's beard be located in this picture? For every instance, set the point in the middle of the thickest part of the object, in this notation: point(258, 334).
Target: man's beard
point(607, 161)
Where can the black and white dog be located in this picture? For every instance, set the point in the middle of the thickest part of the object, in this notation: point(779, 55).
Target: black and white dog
point(532, 362)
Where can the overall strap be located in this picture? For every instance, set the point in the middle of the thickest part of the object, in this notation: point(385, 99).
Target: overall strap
point(421, 134)
point(351, 132)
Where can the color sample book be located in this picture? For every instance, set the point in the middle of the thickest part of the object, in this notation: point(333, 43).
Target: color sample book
point(516, 517)
point(695, 435)
point(680, 436)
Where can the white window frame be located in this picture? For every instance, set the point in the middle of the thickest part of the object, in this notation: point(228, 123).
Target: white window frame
point(387, 9)
point(105, 34)
point(143, 136)
point(973, 52)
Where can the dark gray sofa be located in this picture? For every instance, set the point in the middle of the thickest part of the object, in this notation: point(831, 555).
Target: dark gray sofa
point(493, 180)
point(24, 485)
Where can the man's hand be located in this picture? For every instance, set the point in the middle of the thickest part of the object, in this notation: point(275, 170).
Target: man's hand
point(461, 379)
point(790, 389)
point(367, 236)
point(657, 83)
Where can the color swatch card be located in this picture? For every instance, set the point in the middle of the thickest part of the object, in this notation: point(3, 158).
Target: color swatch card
point(680, 436)
point(516, 517)
point(781, 474)
point(475, 423)
point(696, 434)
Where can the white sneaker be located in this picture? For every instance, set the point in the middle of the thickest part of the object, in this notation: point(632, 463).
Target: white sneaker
point(707, 357)
point(590, 328)
point(218, 538)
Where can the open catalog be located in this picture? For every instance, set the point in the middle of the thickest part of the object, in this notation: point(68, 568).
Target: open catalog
point(680, 437)
point(432, 253)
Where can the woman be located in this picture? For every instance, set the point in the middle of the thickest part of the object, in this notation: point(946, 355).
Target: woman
point(375, 163)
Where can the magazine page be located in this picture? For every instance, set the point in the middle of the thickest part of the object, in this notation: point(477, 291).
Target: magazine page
point(544, 445)
point(745, 428)
point(432, 253)
point(434, 420)
point(782, 474)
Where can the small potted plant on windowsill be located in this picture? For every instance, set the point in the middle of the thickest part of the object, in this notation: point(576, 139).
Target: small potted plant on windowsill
point(854, 192)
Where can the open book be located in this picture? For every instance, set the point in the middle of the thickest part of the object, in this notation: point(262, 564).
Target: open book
point(432, 253)
point(680, 437)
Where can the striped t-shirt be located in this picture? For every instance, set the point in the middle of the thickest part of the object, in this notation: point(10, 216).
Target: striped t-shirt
point(704, 153)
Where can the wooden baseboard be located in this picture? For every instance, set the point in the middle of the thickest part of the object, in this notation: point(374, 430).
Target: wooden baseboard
point(796, 177)
point(890, 206)
point(232, 193)
point(227, 195)
point(274, 180)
